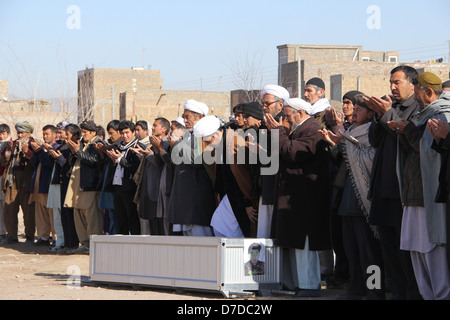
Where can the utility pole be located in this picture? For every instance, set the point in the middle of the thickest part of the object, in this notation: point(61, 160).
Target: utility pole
point(143, 64)
point(134, 94)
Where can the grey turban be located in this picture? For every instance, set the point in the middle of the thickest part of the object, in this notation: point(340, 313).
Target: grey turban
point(24, 127)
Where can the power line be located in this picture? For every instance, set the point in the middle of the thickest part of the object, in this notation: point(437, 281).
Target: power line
point(434, 56)
point(417, 48)
point(228, 81)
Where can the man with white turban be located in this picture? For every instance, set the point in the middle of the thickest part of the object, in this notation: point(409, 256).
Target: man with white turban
point(273, 99)
point(180, 120)
point(192, 200)
point(206, 127)
point(301, 219)
point(193, 112)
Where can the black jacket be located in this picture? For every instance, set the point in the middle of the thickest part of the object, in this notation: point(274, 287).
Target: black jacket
point(91, 166)
point(265, 184)
point(130, 164)
point(384, 192)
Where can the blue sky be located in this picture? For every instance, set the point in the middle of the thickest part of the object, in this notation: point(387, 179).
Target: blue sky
point(194, 43)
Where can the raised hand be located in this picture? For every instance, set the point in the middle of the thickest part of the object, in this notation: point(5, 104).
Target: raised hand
point(378, 105)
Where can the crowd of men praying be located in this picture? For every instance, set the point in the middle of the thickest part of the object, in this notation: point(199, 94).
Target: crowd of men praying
point(340, 191)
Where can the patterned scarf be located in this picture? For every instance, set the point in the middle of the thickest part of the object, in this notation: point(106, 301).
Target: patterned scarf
point(359, 154)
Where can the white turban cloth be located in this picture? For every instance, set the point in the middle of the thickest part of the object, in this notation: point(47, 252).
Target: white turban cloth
point(206, 127)
point(180, 120)
point(276, 91)
point(197, 107)
point(300, 104)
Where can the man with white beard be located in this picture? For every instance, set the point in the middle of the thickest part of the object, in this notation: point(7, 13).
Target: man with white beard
point(192, 201)
point(273, 99)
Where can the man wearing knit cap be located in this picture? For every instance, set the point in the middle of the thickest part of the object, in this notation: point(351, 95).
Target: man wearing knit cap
point(315, 95)
point(192, 201)
point(253, 115)
point(338, 123)
point(424, 220)
point(237, 213)
point(18, 172)
point(301, 221)
point(260, 216)
point(347, 107)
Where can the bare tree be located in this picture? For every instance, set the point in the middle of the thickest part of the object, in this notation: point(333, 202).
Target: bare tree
point(31, 106)
point(85, 97)
point(247, 73)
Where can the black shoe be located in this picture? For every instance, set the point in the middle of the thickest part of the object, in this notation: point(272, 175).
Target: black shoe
point(42, 242)
point(308, 293)
point(335, 284)
point(9, 240)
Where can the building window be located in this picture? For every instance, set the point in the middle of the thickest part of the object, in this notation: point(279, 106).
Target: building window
point(393, 59)
point(366, 59)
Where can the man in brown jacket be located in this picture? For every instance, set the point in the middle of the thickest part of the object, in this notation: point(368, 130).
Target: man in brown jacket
point(16, 183)
point(301, 215)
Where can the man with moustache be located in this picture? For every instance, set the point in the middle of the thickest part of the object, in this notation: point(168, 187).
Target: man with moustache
point(273, 99)
point(149, 178)
point(16, 184)
point(301, 219)
point(238, 117)
point(315, 95)
point(192, 202)
point(386, 205)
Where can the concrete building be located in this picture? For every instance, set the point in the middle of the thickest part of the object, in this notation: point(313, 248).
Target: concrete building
point(137, 94)
point(38, 113)
point(343, 68)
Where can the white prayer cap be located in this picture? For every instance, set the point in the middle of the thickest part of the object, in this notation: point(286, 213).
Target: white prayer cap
point(206, 126)
point(300, 104)
point(197, 107)
point(276, 91)
point(180, 120)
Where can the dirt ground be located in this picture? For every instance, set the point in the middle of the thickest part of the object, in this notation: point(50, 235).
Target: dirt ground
point(33, 273)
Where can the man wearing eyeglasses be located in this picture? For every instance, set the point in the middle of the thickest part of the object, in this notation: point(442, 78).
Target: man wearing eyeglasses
point(273, 99)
